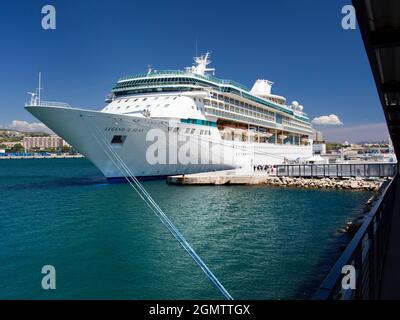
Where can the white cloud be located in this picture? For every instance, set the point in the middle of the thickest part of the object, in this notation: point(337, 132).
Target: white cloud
point(21, 125)
point(332, 120)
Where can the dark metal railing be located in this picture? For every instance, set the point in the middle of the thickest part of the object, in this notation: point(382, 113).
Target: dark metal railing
point(378, 170)
point(366, 252)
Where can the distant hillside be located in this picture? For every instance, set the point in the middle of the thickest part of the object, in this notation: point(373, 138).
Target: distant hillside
point(9, 133)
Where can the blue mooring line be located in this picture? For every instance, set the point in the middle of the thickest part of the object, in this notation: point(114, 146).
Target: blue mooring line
point(162, 216)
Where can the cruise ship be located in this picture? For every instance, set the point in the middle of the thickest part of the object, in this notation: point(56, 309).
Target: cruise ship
point(163, 123)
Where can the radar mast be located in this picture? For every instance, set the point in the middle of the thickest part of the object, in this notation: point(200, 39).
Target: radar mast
point(201, 63)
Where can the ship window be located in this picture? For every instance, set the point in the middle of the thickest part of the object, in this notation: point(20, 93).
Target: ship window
point(118, 139)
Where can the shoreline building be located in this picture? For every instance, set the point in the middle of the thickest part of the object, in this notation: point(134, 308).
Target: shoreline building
point(317, 135)
point(41, 143)
point(9, 144)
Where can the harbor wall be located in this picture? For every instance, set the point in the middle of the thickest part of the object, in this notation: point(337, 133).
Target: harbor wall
point(226, 178)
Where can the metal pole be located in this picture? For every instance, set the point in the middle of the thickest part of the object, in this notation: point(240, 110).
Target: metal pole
point(40, 87)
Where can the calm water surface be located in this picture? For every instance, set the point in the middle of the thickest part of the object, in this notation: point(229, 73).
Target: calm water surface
point(261, 242)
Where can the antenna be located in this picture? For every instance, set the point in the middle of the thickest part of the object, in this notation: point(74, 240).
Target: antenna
point(196, 48)
point(39, 89)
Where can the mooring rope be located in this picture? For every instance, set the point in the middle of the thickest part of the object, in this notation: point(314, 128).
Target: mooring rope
point(145, 196)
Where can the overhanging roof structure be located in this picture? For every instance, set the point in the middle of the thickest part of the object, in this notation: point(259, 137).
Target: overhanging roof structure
point(379, 22)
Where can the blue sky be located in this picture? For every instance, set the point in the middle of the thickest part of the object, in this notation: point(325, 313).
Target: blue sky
point(299, 45)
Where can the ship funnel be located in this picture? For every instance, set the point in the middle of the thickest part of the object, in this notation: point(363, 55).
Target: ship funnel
point(262, 88)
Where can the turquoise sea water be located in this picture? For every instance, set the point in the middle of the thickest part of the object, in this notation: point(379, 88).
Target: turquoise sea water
point(261, 242)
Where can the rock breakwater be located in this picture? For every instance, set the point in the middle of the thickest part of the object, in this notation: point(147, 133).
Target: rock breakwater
point(325, 183)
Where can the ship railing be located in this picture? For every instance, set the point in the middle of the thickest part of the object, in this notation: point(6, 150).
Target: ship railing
point(365, 253)
point(47, 104)
point(351, 170)
point(187, 73)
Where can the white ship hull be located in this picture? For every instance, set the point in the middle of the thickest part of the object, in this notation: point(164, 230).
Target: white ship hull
point(91, 132)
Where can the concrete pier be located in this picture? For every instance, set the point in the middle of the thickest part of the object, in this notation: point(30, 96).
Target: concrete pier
point(229, 177)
